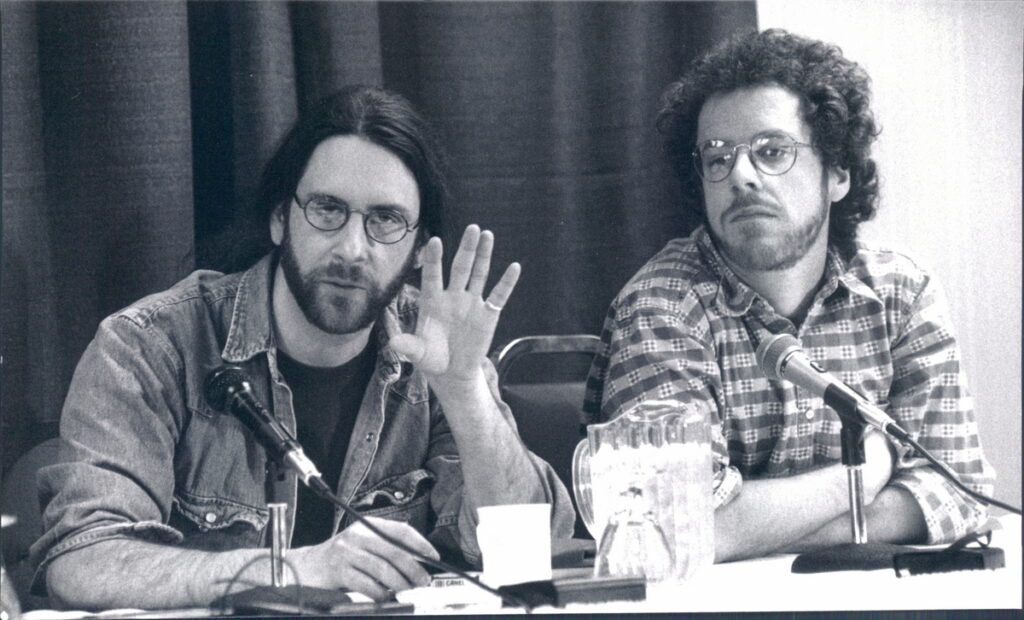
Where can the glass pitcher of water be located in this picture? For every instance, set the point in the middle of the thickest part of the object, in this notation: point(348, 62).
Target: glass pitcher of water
point(660, 453)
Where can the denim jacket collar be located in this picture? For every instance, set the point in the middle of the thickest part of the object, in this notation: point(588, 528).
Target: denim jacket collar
point(251, 331)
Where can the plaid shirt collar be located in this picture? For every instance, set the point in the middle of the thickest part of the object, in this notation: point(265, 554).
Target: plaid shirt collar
point(735, 297)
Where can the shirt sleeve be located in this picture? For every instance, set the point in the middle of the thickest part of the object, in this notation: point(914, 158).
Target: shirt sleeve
point(655, 353)
point(930, 400)
point(114, 477)
point(456, 522)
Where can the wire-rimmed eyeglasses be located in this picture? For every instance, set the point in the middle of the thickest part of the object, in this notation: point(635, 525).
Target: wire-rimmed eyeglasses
point(771, 152)
point(383, 225)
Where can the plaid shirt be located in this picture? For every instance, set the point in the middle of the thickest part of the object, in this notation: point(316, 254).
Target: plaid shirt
point(686, 328)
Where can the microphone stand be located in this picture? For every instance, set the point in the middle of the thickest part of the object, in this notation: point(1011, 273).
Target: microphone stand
point(851, 438)
point(227, 388)
point(860, 554)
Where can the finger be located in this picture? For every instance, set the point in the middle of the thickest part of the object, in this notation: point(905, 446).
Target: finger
point(364, 583)
point(406, 534)
point(400, 561)
point(409, 347)
point(482, 264)
point(464, 257)
point(503, 289)
point(432, 278)
point(402, 570)
point(382, 566)
point(427, 349)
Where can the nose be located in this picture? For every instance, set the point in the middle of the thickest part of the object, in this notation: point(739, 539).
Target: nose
point(744, 175)
point(351, 243)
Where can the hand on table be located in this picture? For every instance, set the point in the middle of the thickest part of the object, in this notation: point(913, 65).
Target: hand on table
point(359, 560)
point(456, 324)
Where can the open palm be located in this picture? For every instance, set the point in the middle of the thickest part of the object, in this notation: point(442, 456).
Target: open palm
point(456, 324)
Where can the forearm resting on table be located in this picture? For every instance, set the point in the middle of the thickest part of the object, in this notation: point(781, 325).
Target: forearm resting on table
point(123, 573)
point(771, 514)
point(893, 517)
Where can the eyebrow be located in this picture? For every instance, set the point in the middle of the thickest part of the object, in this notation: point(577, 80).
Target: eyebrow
point(766, 132)
point(406, 212)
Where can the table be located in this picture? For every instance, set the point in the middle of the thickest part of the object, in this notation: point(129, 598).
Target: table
point(767, 584)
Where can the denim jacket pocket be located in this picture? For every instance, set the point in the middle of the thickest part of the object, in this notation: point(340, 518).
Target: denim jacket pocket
point(217, 524)
point(404, 497)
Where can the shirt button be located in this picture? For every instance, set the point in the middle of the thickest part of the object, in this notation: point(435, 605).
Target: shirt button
point(399, 495)
point(210, 517)
point(809, 414)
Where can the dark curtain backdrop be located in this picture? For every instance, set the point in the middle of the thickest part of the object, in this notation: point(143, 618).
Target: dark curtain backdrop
point(132, 131)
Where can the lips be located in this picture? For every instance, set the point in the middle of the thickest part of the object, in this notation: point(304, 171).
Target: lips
point(750, 206)
point(746, 213)
point(344, 284)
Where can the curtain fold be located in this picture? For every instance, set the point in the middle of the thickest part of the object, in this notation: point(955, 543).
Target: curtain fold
point(134, 131)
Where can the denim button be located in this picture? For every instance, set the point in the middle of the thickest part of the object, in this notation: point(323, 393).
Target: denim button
point(369, 436)
point(399, 495)
point(210, 517)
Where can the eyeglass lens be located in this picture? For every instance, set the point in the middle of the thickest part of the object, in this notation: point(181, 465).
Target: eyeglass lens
point(381, 225)
point(771, 154)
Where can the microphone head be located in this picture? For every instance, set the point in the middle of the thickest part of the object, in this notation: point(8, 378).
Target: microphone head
point(221, 383)
point(771, 353)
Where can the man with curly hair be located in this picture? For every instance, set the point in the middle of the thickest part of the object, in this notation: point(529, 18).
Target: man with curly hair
point(770, 134)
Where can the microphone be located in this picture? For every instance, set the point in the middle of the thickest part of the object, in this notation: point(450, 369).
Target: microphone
point(228, 389)
point(781, 357)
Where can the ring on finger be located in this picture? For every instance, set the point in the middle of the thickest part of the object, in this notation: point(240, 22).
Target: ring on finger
point(492, 305)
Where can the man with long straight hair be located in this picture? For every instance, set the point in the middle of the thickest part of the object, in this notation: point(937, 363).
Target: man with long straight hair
point(161, 500)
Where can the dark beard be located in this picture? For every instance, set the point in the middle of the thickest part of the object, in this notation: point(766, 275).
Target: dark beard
point(750, 255)
point(338, 315)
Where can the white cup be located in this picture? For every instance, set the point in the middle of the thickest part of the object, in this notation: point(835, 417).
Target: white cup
point(515, 541)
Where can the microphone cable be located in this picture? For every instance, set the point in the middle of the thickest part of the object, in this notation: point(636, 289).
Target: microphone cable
point(227, 389)
point(772, 356)
point(318, 486)
point(950, 475)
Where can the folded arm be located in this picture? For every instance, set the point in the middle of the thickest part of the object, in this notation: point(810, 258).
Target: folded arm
point(812, 510)
point(894, 517)
point(654, 354)
point(930, 399)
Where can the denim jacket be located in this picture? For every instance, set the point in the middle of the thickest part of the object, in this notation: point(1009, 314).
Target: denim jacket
point(143, 455)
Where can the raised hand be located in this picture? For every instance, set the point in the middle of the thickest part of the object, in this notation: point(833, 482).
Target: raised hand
point(456, 324)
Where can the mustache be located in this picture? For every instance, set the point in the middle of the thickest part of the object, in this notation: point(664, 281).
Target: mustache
point(344, 271)
point(744, 201)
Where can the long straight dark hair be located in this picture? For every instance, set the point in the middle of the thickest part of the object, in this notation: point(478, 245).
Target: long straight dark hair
point(381, 117)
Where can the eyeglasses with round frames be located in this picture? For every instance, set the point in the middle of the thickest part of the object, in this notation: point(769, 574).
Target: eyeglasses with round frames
point(771, 153)
point(381, 225)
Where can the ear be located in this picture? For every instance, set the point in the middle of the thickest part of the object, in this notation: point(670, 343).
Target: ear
point(838, 184)
point(277, 223)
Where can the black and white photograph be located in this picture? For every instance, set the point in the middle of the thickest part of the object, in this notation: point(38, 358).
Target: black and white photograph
point(331, 307)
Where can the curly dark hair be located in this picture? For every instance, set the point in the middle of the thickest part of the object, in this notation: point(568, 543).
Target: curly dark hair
point(834, 93)
point(382, 117)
